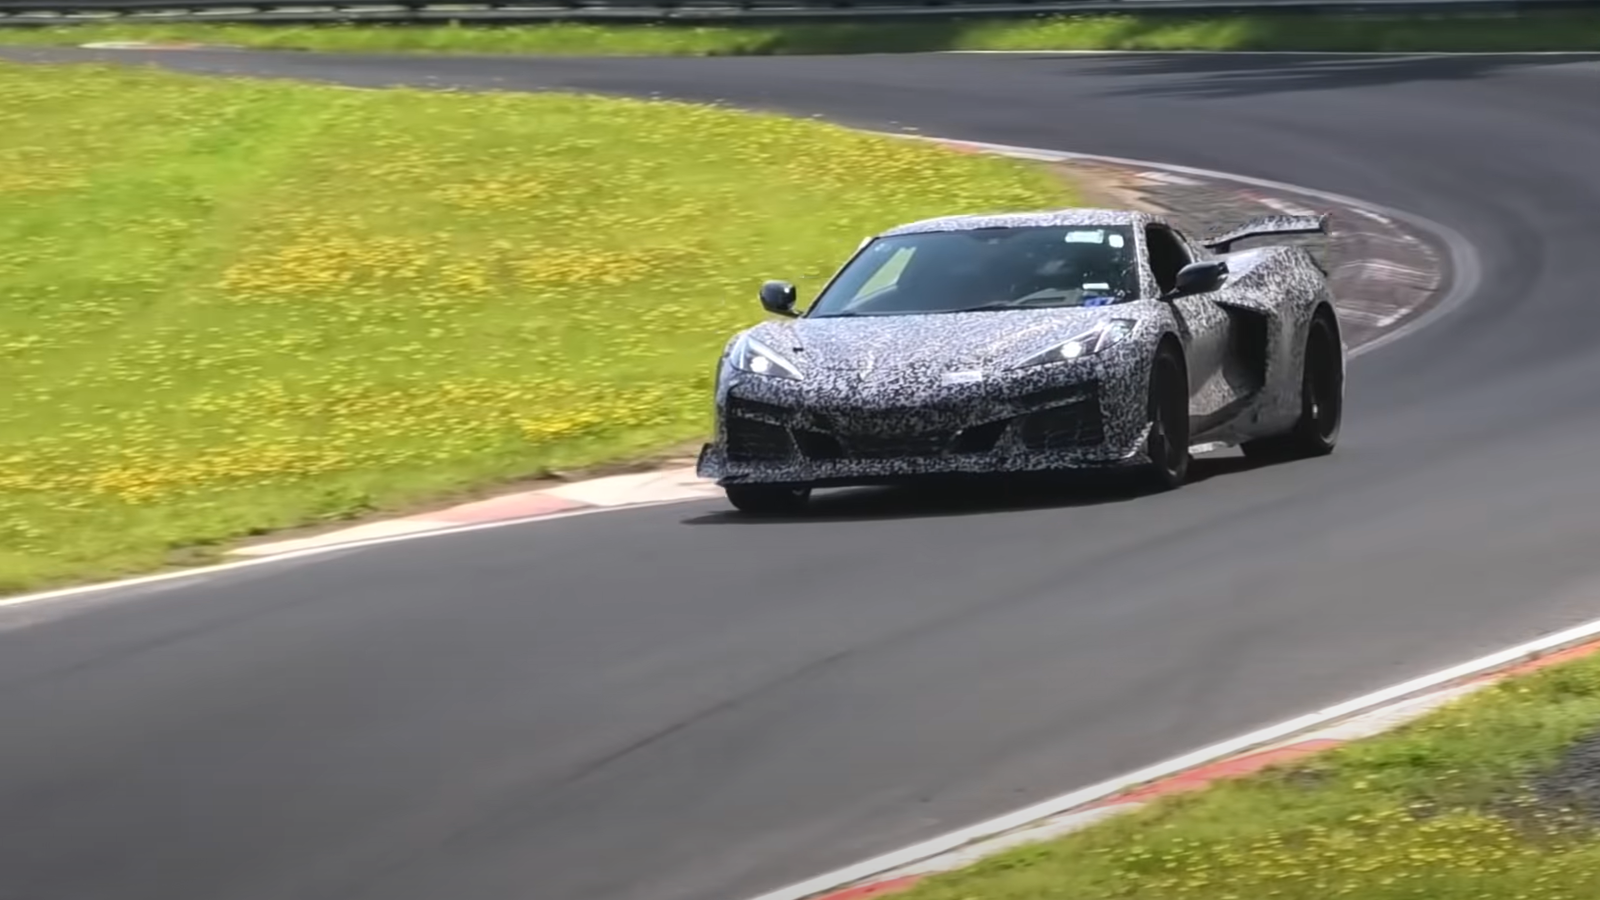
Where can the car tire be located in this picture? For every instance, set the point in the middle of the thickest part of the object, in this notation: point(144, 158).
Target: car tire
point(1168, 409)
point(768, 499)
point(1316, 431)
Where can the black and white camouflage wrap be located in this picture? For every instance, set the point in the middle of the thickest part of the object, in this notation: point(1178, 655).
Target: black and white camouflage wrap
point(881, 398)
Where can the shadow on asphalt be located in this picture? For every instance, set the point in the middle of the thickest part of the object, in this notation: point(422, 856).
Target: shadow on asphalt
point(1243, 75)
point(974, 496)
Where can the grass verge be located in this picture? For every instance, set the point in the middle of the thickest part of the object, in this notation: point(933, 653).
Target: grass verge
point(1473, 802)
point(1538, 30)
point(229, 306)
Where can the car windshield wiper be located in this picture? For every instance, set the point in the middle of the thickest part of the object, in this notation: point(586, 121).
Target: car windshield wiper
point(1028, 303)
point(987, 307)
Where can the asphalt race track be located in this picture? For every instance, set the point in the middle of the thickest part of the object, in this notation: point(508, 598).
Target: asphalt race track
point(670, 704)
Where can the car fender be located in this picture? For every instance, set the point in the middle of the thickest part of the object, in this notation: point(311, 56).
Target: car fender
point(1137, 357)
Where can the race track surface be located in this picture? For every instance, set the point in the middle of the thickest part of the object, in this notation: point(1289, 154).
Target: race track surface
point(669, 704)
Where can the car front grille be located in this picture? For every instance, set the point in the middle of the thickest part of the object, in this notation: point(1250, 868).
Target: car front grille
point(1071, 426)
point(981, 438)
point(755, 409)
point(757, 441)
point(830, 435)
point(1060, 393)
point(877, 446)
point(819, 446)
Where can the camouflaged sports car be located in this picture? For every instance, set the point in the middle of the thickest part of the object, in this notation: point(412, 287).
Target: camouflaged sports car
point(1028, 343)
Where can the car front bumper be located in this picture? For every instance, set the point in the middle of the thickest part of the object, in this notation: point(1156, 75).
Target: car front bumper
point(764, 435)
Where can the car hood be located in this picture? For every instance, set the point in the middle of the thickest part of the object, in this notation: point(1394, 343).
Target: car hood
point(945, 341)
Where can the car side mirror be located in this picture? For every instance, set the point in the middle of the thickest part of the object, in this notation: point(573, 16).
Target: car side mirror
point(1199, 278)
point(778, 297)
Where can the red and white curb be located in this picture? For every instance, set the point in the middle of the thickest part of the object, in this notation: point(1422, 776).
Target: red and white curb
point(1300, 738)
point(614, 492)
point(665, 486)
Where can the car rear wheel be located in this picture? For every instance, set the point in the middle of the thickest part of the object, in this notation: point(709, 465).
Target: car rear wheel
point(768, 499)
point(1316, 432)
point(1168, 443)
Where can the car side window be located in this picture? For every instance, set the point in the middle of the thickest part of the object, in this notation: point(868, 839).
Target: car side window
point(1184, 242)
point(1167, 255)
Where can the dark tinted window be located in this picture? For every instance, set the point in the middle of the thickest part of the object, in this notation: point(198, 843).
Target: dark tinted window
point(991, 268)
point(1167, 255)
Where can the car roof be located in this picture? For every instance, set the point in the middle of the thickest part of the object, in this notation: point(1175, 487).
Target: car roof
point(1034, 219)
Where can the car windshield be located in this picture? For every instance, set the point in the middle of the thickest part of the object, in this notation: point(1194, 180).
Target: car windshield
point(985, 269)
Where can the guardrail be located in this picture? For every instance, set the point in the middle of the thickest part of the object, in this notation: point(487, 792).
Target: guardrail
point(60, 12)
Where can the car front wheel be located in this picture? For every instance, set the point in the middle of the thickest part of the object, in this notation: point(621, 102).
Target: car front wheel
point(1168, 444)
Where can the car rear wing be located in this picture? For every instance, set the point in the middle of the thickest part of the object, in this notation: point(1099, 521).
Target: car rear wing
point(1266, 226)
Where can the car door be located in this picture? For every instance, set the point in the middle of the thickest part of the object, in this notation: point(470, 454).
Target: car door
point(1201, 322)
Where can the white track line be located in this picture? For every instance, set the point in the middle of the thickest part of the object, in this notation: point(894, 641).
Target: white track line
point(222, 568)
point(1465, 275)
point(1371, 54)
point(1066, 802)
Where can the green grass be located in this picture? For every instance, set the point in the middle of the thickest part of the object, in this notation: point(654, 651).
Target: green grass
point(1439, 810)
point(1545, 30)
point(229, 305)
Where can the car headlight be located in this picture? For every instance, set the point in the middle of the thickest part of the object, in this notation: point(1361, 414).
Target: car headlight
point(1106, 334)
point(750, 355)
